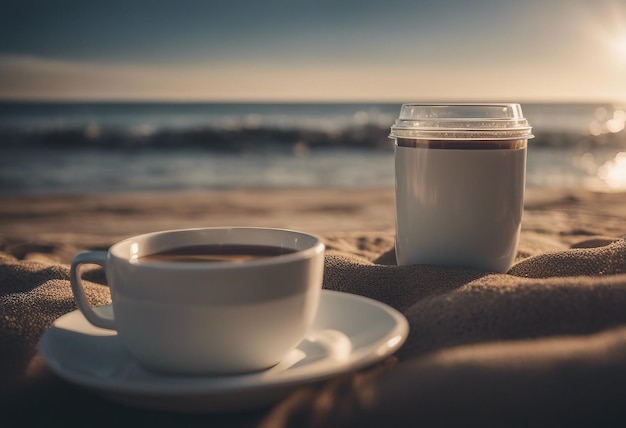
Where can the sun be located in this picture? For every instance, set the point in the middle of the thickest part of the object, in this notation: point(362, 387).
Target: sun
point(609, 28)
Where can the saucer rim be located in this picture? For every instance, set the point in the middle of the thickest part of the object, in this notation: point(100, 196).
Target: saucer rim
point(159, 385)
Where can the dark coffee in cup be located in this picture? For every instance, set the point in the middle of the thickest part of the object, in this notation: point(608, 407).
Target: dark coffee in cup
point(216, 253)
point(462, 144)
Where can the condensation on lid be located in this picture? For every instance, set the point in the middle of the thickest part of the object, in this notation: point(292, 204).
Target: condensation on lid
point(461, 121)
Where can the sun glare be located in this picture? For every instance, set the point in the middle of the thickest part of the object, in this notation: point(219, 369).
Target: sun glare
point(619, 46)
point(610, 30)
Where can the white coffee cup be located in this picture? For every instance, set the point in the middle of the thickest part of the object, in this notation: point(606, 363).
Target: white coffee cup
point(203, 317)
point(460, 173)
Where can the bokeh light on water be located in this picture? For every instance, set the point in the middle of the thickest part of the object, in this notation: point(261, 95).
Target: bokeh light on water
point(613, 172)
point(604, 163)
point(606, 122)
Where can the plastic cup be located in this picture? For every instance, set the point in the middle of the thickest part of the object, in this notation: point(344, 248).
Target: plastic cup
point(460, 176)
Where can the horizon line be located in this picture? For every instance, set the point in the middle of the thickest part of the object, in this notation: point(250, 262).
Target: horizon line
point(52, 100)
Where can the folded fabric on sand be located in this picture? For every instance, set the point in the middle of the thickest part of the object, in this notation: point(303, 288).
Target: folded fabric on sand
point(543, 345)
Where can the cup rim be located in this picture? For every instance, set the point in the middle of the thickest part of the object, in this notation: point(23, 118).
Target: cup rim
point(310, 251)
point(461, 121)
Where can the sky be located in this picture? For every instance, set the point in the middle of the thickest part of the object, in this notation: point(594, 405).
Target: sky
point(316, 50)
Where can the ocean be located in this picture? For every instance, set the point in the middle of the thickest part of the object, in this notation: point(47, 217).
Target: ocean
point(75, 148)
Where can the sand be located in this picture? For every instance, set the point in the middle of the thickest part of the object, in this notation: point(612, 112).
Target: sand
point(60, 225)
point(66, 223)
point(543, 345)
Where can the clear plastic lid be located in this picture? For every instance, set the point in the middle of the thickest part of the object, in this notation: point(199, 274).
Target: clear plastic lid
point(461, 121)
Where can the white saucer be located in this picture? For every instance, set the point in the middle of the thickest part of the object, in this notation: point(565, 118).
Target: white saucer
point(350, 332)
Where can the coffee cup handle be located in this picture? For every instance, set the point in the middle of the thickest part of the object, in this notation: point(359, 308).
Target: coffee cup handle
point(88, 257)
